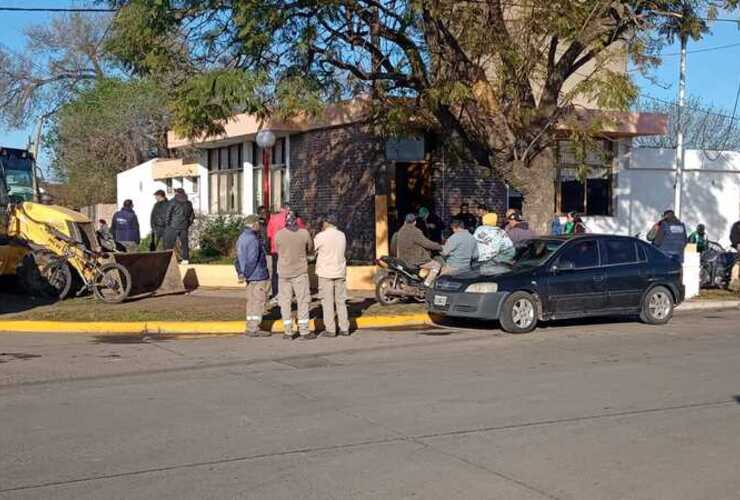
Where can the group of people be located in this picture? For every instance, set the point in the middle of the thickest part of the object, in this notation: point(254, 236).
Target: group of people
point(291, 245)
point(170, 222)
point(474, 238)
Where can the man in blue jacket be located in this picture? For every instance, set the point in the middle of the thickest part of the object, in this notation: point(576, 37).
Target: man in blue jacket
point(125, 227)
point(251, 265)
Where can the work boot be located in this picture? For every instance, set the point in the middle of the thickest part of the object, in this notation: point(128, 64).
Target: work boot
point(289, 336)
point(308, 336)
point(252, 334)
point(345, 333)
point(328, 334)
point(265, 334)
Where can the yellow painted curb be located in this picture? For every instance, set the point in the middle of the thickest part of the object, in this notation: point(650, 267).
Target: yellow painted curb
point(187, 327)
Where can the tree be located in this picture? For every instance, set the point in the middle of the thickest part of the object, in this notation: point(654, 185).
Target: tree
point(499, 76)
point(105, 130)
point(705, 127)
point(60, 59)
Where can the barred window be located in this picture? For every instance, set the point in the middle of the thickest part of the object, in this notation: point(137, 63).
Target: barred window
point(225, 178)
point(589, 194)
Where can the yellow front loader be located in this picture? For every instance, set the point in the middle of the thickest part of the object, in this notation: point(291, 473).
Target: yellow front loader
point(51, 249)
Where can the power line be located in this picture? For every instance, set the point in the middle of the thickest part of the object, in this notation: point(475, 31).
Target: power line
point(707, 49)
point(55, 9)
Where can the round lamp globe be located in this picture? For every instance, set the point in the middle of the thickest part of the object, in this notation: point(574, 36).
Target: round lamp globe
point(265, 139)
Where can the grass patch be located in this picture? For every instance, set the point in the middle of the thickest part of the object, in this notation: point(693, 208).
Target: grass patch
point(718, 294)
point(183, 308)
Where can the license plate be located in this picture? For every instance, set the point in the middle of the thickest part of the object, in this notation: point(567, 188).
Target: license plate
point(440, 300)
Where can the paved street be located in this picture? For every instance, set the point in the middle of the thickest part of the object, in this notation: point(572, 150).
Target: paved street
point(606, 410)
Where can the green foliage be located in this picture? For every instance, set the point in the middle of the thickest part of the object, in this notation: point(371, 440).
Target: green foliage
point(107, 129)
point(218, 236)
point(205, 102)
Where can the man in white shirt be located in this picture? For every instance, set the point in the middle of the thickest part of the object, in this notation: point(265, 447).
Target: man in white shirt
point(331, 268)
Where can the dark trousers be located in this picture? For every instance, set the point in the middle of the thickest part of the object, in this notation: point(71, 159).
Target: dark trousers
point(274, 275)
point(157, 238)
point(174, 236)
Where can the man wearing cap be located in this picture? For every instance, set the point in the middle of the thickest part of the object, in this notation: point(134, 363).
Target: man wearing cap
point(518, 229)
point(251, 264)
point(410, 244)
point(293, 244)
point(331, 268)
point(158, 220)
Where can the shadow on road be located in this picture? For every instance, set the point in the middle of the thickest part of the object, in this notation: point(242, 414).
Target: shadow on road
point(13, 298)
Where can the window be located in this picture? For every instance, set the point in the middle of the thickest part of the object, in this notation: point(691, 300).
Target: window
point(225, 175)
point(582, 254)
point(279, 189)
point(620, 252)
point(168, 186)
point(585, 178)
point(195, 184)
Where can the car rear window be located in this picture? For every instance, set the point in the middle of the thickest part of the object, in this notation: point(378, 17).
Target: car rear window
point(582, 254)
point(619, 251)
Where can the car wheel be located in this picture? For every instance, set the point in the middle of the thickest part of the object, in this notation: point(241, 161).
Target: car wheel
point(519, 313)
point(657, 306)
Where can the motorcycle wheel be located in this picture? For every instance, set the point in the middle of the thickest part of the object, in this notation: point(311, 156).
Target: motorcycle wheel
point(113, 283)
point(381, 292)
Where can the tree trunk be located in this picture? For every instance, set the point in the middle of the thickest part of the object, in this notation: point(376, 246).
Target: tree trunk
point(538, 187)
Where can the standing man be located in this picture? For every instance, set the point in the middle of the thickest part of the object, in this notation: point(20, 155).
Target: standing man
point(158, 220)
point(669, 235)
point(699, 238)
point(125, 227)
point(252, 266)
point(293, 244)
point(180, 216)
point(470, 220)
point(331, 268)
point(274, 226)
point(518, 229)
point(495, 248)
point(735, 236)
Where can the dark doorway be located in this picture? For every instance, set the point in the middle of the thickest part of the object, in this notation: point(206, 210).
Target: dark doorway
point(411, 189)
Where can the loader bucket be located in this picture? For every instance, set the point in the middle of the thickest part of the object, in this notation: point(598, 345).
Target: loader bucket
point(153, 273)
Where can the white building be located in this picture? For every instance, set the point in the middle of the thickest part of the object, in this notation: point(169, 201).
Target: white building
point(138, 184)
point(643, 187)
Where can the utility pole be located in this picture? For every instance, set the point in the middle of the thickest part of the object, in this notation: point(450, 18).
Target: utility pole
point(680, 152)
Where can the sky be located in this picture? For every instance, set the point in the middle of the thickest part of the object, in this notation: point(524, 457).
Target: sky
point(713, 75)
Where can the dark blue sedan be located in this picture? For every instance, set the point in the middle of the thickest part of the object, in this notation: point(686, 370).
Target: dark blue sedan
point(557, 278)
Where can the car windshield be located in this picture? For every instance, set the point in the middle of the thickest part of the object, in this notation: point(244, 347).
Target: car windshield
point(535, 252)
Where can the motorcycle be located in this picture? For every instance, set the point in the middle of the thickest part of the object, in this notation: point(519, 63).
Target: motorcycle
point(398, 281)
point(716, 266)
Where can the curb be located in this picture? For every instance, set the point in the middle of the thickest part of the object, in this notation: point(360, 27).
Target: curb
point(698, 305)
point(189, 327)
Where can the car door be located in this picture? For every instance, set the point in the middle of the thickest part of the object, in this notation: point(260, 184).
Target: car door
point(627, 273)
point(576, 281)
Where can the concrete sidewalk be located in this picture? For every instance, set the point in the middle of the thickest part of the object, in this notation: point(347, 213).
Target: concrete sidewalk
point(219, 312)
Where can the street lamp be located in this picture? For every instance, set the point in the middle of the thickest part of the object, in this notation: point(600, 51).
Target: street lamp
point(266, 140)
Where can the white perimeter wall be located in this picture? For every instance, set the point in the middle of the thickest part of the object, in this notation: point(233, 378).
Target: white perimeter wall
point(644, 189)
point(136, 184)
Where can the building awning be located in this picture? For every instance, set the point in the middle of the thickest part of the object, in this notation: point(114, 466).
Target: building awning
point(617, 123)
point(245, 126)
point(167, 169)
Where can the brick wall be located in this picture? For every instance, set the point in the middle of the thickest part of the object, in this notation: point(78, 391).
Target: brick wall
point(333, 171)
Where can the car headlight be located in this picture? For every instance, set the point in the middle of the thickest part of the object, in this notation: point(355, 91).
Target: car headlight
point(482, 288)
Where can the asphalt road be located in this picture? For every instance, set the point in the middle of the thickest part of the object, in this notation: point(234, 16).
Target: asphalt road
point(610, 410)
